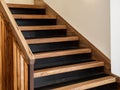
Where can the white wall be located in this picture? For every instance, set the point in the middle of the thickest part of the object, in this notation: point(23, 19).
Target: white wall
point(89, 17)
point(20, 1)
point(115, 36)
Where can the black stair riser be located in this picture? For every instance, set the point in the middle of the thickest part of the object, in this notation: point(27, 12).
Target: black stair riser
point(65, 77)
point(36, 48)
point(100, 75)
point(112, 86)
point(44, 34)
point(63, 60)
point(27, 11)
point(35, 22)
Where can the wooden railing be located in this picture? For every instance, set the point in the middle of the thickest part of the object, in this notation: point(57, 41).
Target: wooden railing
point(16, 58)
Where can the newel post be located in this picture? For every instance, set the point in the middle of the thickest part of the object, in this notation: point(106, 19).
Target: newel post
point(31, 75)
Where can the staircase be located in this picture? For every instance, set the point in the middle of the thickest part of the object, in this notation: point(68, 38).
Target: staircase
point(61, 63)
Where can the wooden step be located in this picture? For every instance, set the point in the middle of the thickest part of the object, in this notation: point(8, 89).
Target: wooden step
point(89, 84)
point(53, 27)
point(25, 6)
point(68, 68)
point(23, 16)
point(52, 40)
point(62, 53)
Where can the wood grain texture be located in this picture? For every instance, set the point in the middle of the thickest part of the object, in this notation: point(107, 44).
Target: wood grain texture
point(52, 40)
point(67, 68)
point(9, 58)
point(89, 84)
point(96, 53)
point(53, 27)
point(62, 53)
point(25, 6)
point(19, 16)
point(16, 32)
point(1, 53)
point(19, 87)
point(15, 66)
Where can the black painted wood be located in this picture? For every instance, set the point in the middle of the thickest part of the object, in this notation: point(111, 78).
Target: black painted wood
point(65, 77)
point(44, 34)
point(62, 60)
point(37, 48)
point(27, 11)
point(35, 22)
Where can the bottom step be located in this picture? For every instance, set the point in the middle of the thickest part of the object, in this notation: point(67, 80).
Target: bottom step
point(98, 82)
point(89, 84)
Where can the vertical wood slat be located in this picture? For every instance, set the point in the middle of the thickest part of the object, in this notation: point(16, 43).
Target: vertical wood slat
point(15, 66)
point(19, 70)
point(9, 58)
point(1, 53)
point(25, 76)
point(22, 72)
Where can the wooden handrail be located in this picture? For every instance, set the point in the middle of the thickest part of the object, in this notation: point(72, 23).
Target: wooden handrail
point(17, 33)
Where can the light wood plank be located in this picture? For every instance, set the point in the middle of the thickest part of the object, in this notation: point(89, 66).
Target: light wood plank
point(22, 72)
point(25, 6)
point(15, 68)
point(67, 68)
point(89, 84)
point(53, 27)
point(25, 76)
point(20, 16)
point(61, 53)
point(18, 69)
point(52, 40)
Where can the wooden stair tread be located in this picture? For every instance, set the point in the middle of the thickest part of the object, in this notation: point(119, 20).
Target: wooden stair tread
point(67, 68)
point(89, 84)
point(53, 27)
point(61, 53)
point(52, 40)
point(25, 6)
point(23, 16)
